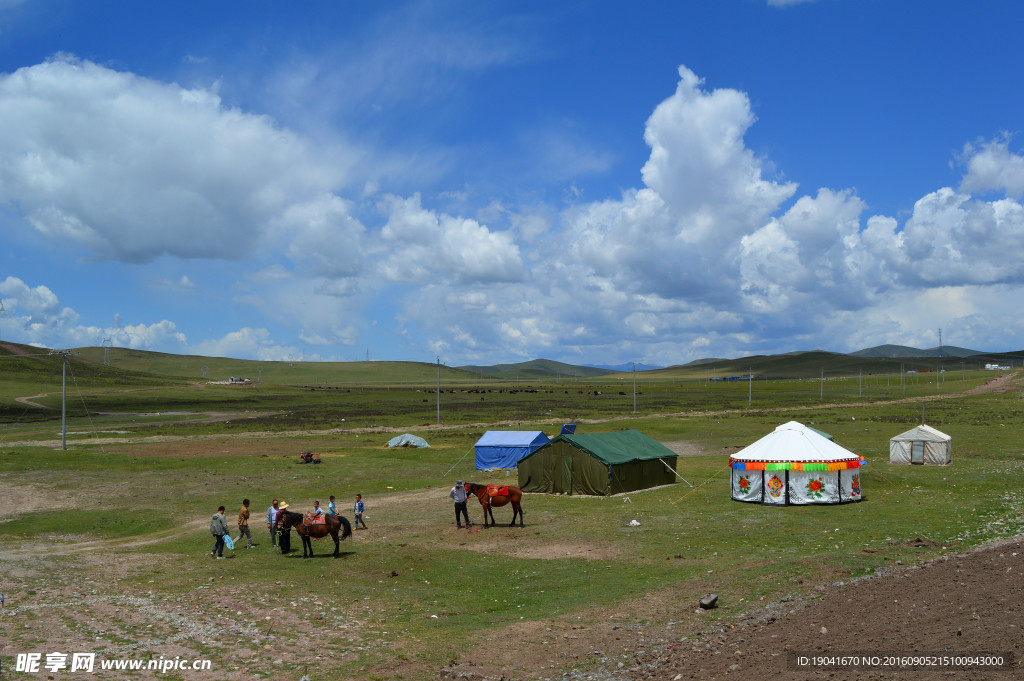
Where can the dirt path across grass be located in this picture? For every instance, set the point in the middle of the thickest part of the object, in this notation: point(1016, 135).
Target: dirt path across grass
point(68, 544)
point(31, 401)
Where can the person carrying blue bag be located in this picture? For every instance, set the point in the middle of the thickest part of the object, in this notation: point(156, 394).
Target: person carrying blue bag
point(219, 530)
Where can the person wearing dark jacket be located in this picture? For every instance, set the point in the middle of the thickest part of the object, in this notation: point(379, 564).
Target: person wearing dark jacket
point(284, 538)
point(218, 528)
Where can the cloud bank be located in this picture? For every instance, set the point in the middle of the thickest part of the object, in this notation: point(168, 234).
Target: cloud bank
point(712, 253)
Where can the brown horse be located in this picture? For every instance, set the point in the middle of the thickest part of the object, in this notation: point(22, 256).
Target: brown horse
point(484, 495)
point(332, 525)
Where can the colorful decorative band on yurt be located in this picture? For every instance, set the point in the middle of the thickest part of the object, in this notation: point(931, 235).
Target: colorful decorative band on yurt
point(795, 464)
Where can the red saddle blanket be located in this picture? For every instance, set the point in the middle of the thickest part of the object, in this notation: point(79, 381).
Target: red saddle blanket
point(495, 491)
point(309, 519)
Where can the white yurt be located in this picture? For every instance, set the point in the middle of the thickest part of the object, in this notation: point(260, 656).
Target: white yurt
point(921, 445)
point(795, 464)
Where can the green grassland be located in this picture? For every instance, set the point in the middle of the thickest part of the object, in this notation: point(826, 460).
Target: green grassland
point(147, 464)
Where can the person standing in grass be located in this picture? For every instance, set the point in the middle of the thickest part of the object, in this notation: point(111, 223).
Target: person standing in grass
point(284, 540)
point(218, 528)
point(331, 507)
point(243, 524)
point(271, 519)
point(358, 511)
point(458, 495)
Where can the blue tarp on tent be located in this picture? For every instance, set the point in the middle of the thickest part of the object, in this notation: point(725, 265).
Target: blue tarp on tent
point(504, 448)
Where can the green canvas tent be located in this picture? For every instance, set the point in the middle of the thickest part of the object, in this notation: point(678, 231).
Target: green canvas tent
point(598, 464)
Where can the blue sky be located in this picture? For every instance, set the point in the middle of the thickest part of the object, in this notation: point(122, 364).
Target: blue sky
point(484, 182)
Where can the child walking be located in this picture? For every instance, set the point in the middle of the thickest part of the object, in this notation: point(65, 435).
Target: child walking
point(358, 511)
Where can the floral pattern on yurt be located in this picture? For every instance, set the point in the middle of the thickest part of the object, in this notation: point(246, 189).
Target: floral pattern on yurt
point(795, 465)
point(815, 486)
point(746, 485)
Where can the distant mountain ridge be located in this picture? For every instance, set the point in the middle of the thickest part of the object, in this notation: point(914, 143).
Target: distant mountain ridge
point(625, 366)
point(906, 351)
point(136, 365)
point(537, 368)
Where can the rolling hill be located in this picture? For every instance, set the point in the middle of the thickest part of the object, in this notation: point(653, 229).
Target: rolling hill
point(537, 368)
point(906, 351)
point(124, 365)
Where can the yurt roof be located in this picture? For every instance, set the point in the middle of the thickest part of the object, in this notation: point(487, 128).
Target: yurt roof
point(794, 441)
point(923, 432)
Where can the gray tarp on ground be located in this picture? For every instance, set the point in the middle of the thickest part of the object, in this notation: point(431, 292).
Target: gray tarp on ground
point(407, 440)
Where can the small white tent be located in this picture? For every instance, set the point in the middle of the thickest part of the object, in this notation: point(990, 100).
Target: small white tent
point(921, 445)
point(795, 464)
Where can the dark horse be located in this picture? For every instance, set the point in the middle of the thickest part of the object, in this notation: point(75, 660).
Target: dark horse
point(484, 494)
point(332, 525)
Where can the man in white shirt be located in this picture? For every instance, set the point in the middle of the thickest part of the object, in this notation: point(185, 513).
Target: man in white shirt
point(458, 494)
point(271, 519)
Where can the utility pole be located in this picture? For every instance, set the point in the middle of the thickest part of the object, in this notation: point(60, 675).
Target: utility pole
point(634, 387)
point(63, 396)
point(439, 390)
point(750, 386)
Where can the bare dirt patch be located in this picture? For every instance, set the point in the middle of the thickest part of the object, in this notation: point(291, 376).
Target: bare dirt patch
point(685, 447)
point(506, 544)
point(260, 625)
point(67, 545)
point(31, 497)
point(967, 603)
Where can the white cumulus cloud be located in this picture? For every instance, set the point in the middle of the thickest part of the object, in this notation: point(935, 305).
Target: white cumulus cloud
point(131, 168)
point(35, 315)
point(422, 246)
point(993, 167)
